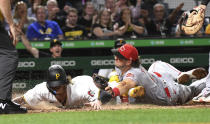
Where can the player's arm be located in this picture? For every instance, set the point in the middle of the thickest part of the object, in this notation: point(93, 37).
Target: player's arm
point(20, 100)
point(174, 13)
point(5, 9)
point(93, 96)
point(26, 43)
point(109, 93)
point(123, 87)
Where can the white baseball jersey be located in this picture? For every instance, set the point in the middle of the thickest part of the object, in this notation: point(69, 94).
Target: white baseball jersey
point(159, 84)
point(81, 90)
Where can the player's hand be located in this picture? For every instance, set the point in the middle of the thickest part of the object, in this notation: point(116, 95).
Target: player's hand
point(14, 32)
point(95, 104)
point(109, 90)
point(19, 100)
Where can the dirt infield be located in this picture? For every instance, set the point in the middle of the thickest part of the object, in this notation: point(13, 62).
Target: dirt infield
point(47, 109)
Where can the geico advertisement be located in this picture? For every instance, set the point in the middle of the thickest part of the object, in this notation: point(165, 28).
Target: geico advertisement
point(19, 85)
point(106, 62)
point(100, 62)
point(179, 60)
point(64, 63)
point(26, 64)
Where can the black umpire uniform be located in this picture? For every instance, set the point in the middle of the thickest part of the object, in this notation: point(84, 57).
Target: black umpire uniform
point(8, 66)
point(8, 63)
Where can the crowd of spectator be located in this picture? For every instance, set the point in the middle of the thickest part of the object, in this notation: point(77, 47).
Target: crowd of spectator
point(98, 19)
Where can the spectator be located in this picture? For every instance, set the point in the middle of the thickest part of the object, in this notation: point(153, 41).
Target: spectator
point(55, 48)
point(20, 16)
point(148, 5)
point(129, 29)
point(72, 30)
point(52, 9)
point(98, 4)
point(87, 18)
point(110, 6)
point(161, 25)
point(103, 27)
point(34, 4)
point(60, 17)
point(135, 10)
point(43, 29)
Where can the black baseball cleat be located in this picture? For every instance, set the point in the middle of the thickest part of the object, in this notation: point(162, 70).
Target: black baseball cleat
point(8, 107)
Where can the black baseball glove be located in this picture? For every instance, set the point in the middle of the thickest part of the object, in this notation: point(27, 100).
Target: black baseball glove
point(100, 82)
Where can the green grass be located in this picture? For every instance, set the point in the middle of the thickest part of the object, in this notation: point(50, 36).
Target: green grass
point(138, 116)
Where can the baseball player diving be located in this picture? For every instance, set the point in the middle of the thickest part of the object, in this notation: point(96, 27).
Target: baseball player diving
point(58, 91)
point(158, 82)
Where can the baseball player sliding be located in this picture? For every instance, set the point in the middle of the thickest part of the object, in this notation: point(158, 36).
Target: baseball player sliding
point(158, 82)
point(58, 91)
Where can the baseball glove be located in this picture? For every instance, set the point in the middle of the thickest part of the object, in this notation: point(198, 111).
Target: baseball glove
point(192, 21)
point(100, 82)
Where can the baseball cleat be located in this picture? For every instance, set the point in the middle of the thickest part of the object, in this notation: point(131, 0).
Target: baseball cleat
point(197, 73)
point(9, 107)
point(202, 99)
point(136, 92)
point(183, 78)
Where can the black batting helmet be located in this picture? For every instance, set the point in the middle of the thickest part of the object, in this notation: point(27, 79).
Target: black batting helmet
point(56, 76)
point(119, 42)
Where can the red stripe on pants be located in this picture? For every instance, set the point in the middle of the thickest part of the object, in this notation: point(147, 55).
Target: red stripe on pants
point(167, 92)
point(158, 74)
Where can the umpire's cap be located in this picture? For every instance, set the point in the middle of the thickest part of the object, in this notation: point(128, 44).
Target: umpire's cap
point(56, 76)
point(119, 42)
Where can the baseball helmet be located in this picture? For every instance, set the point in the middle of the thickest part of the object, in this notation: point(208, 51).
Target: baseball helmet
point(55, 42)
point(119, 42)
point(126, 51)
point(56, 76)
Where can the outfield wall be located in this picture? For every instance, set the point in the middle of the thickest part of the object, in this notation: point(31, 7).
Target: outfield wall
point(183, 53)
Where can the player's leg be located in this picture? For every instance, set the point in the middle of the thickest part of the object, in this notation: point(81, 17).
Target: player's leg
point(186, 93)
point(197, 73)
point(168, 71)
point(204, 96)
point(9, 61)
point(8, 68)
point(165, 70)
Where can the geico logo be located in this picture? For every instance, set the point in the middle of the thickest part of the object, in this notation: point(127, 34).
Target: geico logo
point(147, 61)
point(19, 85)
point(182, 60)
point(102, 62)
point(26, 64)
point(64, 63)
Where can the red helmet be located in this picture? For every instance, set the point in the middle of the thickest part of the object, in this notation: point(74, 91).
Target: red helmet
point(127, 51)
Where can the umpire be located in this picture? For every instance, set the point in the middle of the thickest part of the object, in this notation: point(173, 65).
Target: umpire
point(8, 61)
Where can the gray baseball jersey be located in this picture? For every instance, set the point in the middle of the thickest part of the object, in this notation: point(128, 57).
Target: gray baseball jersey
point(160, 87)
